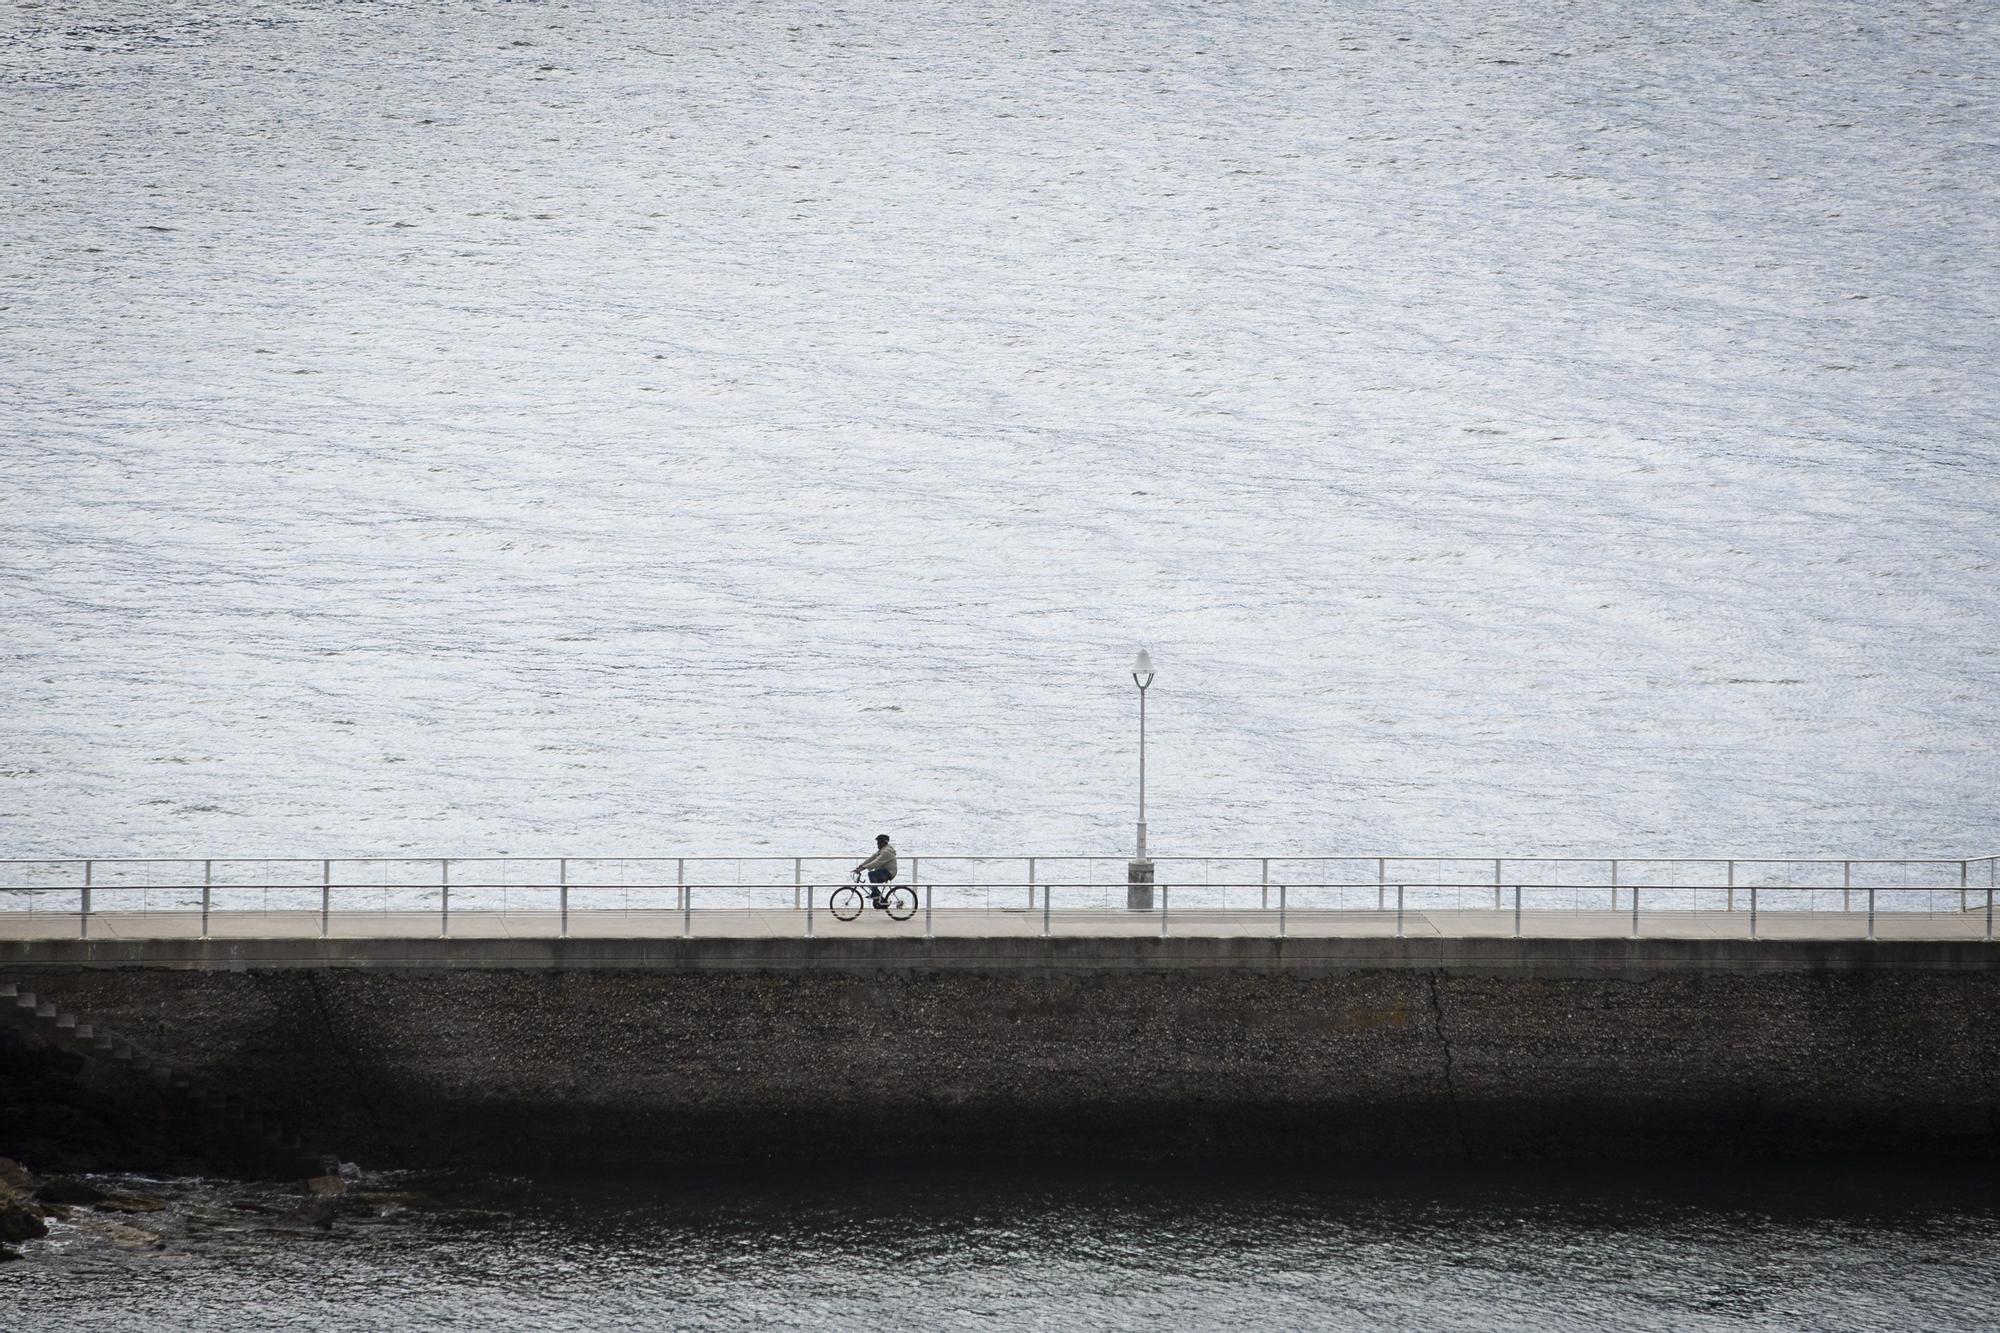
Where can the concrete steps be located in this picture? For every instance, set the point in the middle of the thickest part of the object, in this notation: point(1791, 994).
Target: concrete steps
point(44, 1020)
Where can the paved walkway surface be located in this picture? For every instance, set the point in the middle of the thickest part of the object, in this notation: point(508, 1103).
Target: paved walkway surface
point(753, 924)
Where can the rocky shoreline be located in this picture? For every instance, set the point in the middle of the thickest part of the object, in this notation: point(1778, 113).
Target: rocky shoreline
point(29, 1203)
point(56, 1216)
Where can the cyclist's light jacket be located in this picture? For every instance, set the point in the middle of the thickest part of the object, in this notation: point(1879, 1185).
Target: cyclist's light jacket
point(884, 859)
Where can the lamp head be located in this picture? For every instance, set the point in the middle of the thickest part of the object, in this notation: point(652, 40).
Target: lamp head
point(1142, 669)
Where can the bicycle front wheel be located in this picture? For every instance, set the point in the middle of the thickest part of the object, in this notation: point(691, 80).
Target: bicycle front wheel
point(845, 903)
point(901, 904)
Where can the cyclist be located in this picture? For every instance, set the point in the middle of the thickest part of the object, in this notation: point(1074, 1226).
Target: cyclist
point(881, 867)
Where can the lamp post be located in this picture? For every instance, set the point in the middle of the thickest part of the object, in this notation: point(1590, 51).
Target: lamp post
point(1139, 873)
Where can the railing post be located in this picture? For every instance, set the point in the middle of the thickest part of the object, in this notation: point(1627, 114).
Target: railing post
point(1517, 911)
point(1496, 883)
point(1961, 888)
point(1989, 911)
point(1264, 893)
point(1281, 911)
point(1166, 890)
point(1753, 911)
point(1871, 912)
point(1614, 886)
point(1731, 904)
point(83, 916)
point(1846, 886)
point(1048, 892)
point(1399, 911)
point(1031, 884)
point(681, 881)
point(687, 910)
point(562, 895)
point(809, 916)
point(444, 899)
point(927, 909)
point(325, 898)
point(1381, 879)
point(1635, 911)
point(798, 874)
point(207, 893)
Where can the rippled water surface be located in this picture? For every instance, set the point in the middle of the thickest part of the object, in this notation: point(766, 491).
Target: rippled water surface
point(1826, 1246)
point(621, 427)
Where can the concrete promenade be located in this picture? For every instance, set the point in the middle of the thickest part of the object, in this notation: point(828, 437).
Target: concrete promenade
point(883, 954)
point(1005, 924)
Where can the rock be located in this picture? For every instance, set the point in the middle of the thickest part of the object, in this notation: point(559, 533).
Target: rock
point(63, 1189)
point(403, 1198)
point(59, 1211)
point(20, 1221)
point(130, 1237)
point(13, 1174)
point(130, 1203)
point(477, 1217)
point(320, 1212)
point(245, 1206)
point(8, 1254)
point(327, 1185)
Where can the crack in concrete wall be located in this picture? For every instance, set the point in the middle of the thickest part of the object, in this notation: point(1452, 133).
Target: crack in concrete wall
point(355, 1081)
point(1450, 1071)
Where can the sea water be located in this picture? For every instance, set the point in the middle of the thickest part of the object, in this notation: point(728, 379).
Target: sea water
point(853, 1245)
point(622, 428)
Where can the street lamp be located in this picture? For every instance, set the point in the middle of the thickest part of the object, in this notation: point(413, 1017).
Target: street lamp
point(1139, 874)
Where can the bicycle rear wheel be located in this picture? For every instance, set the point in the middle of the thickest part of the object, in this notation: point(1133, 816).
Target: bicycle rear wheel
point(846, 902)
point(900, 904)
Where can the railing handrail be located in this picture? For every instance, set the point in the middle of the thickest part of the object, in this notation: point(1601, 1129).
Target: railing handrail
point(1294, 900)
point(457, 886)
point(1020, 856)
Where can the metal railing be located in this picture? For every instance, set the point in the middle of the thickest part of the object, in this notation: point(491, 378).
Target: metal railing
point(1750, 897)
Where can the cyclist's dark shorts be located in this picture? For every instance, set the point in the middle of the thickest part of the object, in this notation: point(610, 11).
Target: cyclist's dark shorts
point(881, 876)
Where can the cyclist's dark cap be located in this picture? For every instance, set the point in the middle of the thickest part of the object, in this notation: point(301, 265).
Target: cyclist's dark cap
point(881, 838)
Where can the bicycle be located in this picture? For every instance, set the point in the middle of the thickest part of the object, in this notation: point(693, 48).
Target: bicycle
point(899, 901)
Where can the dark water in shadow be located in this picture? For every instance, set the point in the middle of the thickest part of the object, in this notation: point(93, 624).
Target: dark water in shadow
point(1880, 1245)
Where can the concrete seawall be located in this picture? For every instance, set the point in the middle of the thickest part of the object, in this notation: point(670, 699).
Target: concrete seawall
point(506, 1052)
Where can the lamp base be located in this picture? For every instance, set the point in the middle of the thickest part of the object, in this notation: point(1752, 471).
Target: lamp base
point(1139, 885)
